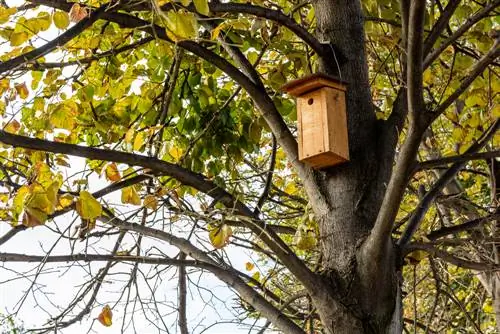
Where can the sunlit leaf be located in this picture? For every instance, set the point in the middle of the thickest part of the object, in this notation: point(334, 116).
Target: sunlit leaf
point(112, 172)
point(150, 202)
point(22, 90)
point(202, 6)
point(249, 266)
point(18, 38)
point(12, 127)
point(87, 206)
point(106, 316)
point(61, 19)
point(219, 235)
point(77, 13)
point(130, 196)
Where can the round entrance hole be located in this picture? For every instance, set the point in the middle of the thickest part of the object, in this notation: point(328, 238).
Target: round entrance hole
point(310, 101)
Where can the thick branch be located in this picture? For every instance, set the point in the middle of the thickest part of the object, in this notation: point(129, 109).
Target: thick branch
point(429, 164)
point(381, 232)
point(55, 43)
point(475, 223)
point(459, 262)
point(197, 181)
point(323, 50)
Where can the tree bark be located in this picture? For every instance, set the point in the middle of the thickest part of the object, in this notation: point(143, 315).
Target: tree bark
point(354, 190)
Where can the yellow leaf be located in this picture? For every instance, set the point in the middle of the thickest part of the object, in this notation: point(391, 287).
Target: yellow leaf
point(129, 135)
point(18, 201)
point(112, 172)
point(61, 20)
point(183, 25)
point(219, 235)
point(249, 266)
point(33, 217)
point(129, 195)
point(63, 117)
point(4, 84)
point(305, 238)
point(12, 127)
point(18, 38)
point(150, 202)
point(43, 21)
point(139, 141)
point(175, 152)
point(106, 316)
point(22, 90)
point(202, 6)
point(65, 200)
point(87, 206)
point(41, 199)
point(415, 257)
point(5, 13)
point(77, 13)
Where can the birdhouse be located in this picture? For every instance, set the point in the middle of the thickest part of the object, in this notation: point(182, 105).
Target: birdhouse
point(322, 121)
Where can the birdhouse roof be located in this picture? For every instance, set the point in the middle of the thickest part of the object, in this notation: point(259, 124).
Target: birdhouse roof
point(313, 82)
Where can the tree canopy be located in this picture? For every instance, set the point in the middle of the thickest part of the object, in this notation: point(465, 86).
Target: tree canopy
point(148, 153)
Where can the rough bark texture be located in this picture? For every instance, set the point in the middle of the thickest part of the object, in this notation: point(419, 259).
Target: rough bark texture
point(355, 190)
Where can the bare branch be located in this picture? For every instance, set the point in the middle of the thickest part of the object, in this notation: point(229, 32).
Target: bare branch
point(440, 25)
point(430, 196)
point(474, 72)
point(484, 12)
point(475, 223)
point(381, 232)
point(459, 262)
point(429, 164)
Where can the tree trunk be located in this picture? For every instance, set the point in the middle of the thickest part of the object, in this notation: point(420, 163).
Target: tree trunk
point(354, 190)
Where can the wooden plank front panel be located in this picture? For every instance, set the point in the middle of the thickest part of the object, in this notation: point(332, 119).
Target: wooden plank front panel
point(311, 136)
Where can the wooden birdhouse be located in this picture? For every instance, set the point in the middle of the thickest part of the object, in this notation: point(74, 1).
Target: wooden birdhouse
point(322, 121)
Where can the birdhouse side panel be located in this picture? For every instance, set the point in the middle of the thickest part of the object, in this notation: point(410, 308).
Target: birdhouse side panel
point(310, 108)
point(336, 120)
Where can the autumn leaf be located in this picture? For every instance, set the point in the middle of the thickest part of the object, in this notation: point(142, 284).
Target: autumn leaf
point(175, 152)
point(106, 316)
point(249, 266)
point(18, 38)
point(12, 127)
point(87, 206)
point(219, 235)
point(22, 90)
point(130, 196)
point(112, 173)
point(150, 202)
point(34, 217)
point(61, 19)
point(77, 13)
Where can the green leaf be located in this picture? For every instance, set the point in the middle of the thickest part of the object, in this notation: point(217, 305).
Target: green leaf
point(202, 6)
point(182, 25)
point(61, 20)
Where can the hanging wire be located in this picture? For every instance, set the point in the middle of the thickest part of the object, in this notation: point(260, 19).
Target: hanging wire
point(336, 60)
